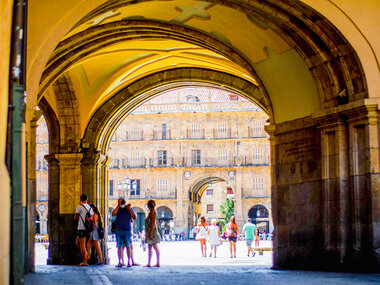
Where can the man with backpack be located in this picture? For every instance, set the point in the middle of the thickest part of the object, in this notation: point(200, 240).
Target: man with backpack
point(83, 215)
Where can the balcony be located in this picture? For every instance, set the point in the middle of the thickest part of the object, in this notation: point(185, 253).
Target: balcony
point(160, 194)
point(218, 134)
point(197, 135)
point(162, 135)
point(256, 193)
point(189, 162)
point(253, 133)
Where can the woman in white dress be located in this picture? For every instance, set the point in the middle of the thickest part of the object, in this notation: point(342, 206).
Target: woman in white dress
point(202, 235)
point(213, 233)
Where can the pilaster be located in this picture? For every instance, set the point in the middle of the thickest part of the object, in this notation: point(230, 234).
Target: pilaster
point(63, 199)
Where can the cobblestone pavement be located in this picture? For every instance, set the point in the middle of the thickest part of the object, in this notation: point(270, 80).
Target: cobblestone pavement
point(182, 264)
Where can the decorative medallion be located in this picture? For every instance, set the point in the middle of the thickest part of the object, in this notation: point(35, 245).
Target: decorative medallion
point(231, 173)
point(187, 174)
point(41, 208)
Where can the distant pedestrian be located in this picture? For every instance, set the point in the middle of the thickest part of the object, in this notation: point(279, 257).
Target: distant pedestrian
point(80, 216)
point(257, 237)
point(232, 229)
point(202, 235)
point(124, 215)
point(143, 244)
point(213, 233)
point(249, 230)
point(94, 235)
point(152, 236)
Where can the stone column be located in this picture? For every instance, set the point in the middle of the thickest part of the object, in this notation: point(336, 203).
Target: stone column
point(238, 198)
point(94, 171)
point(32, 192)
point(364, 175)
point(179, 218)
point(336, 197)
point(64, 196)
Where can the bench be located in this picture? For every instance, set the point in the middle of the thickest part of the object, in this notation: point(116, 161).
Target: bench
point(262, 249)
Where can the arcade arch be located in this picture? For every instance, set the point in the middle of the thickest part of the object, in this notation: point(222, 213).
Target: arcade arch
point(315, 142)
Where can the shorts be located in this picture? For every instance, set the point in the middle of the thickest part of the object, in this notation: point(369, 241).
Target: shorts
point(249, 242)
point(81, 233)
point(232, 239)
point(123, 237)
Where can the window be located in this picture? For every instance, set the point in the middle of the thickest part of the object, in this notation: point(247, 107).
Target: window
point(210, 208)
point(195, 129)
point(111, 188)
point(210, 192)
point(114, 138)
point(163, 131)
point(196, 157)
point(135, 132)
point(135, 190)
point(162, 157)
point(162, 184)
point(222, 128)
point(257, 155)
point(135, 158)
point(222, 154)
point(258, 183)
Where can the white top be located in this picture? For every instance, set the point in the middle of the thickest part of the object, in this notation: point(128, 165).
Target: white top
point(82, 215)
point(202, 234)
point(213, 236)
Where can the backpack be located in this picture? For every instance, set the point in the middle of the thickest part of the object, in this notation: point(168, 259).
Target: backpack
point(88, 222)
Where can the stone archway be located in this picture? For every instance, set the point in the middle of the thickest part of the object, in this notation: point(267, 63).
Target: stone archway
point(259, 216)
point(305, 152)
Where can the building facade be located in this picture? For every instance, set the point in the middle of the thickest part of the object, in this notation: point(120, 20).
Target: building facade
point(189, 149)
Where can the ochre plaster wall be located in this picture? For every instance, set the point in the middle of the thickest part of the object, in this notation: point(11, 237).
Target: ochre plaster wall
point(5, 36)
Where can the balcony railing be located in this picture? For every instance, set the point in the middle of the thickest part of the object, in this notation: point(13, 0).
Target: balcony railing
point(190, 162)
point(162, 136)
point(256, 193)
point(195, 135)
point(218, 134)
point(191, 134)
point(159, 194)
point(252, 133)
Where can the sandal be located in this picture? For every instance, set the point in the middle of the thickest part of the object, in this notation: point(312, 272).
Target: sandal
point(119, 265)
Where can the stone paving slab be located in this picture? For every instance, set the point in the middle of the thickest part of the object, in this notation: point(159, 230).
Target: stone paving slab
point(176, 275)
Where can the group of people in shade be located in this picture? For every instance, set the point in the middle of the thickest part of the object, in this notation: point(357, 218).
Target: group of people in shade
point(212, 234)
point(125, 215)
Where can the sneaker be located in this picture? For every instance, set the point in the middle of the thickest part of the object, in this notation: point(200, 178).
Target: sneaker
point(253, 254)
point(100, 263)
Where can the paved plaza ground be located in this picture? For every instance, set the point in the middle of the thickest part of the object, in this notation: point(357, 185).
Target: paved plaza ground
point(182, 264)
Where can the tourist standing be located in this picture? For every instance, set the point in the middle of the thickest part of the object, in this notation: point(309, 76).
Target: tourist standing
point(152, 236)
point(232, 234)
point(80, 216)
point(94, 235)
point(124, 215)
point(257, 237)
point(202, 235)
point(213, 233)
point(249, 230)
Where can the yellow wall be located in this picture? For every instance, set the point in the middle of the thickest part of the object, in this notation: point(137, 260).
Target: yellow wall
point(5, 35)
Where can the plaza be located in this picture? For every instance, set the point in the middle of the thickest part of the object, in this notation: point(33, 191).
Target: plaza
point(181, 263)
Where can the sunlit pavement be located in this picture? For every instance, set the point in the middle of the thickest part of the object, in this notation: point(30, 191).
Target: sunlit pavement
point(182, 264)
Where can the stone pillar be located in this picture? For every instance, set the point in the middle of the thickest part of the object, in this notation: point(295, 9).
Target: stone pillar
point(364, 176)
point(94, 171)
point(238, 198)
point(32, 193)
point(64, 196)
point(179, 218)
point(296, 194)
point(336, 196)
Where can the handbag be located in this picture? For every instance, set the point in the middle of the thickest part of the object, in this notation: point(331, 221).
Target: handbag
point(113, 227)
point(101, 231)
